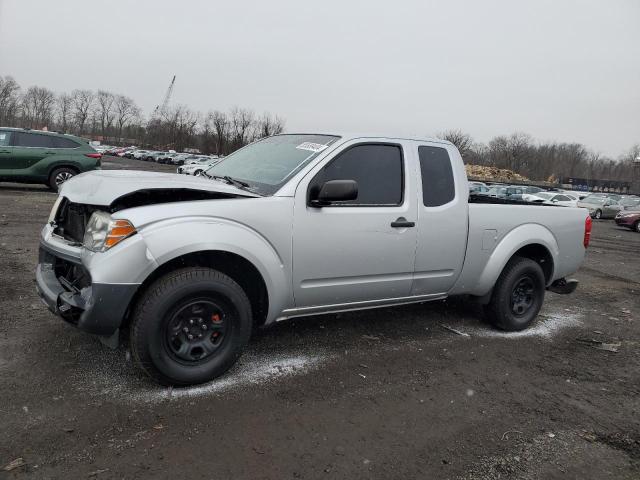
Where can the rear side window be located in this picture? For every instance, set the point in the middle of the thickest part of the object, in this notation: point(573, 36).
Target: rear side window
point(5, 137)
point(59, 142)
point(438, 186)
point(22, 139)
point(377, 168)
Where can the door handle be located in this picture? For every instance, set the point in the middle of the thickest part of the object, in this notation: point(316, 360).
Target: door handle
point(402, 223)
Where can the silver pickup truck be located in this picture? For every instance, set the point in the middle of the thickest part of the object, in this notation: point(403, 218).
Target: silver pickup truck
point(291, 225)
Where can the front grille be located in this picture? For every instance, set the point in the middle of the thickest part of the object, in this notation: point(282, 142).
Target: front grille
point(71, 220)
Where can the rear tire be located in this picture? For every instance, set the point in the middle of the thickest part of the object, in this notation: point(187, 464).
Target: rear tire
point(598, 214)
point(517, 296)
point(60, 175)
point(636, 227)
point(190, 326)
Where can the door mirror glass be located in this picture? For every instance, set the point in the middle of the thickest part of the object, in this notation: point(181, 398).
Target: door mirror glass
point(336, 191)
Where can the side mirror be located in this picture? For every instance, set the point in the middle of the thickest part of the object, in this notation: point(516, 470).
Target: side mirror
point(336, 191)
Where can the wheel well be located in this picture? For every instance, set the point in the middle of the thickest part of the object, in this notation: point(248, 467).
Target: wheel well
point(64, 165)
point(539, 254)
point(235, 266)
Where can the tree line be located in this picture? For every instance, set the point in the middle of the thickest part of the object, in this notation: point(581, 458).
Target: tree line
point(116, 119)
point(548, 161)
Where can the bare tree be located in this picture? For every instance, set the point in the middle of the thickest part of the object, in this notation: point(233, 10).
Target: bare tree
point(82, 103)
point(461, 140)
point(126, 110)
point(63, 103)
point(105, 111)
point(220, 123)
point(9, 100)
point(269, 125)
point(37, 107)
point(242, 121)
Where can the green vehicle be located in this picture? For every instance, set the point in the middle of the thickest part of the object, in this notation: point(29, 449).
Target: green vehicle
point(34, 156)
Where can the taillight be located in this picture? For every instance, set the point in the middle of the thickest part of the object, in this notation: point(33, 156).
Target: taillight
point(587, 231)
point(93, 155)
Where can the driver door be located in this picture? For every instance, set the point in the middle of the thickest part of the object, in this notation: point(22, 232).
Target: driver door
point(349, 252)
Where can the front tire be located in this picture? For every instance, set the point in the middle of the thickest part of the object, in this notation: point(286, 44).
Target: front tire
point(636, 227)
point(59, 176)
point(517, 296)
point(598, 214)
point(190, 326)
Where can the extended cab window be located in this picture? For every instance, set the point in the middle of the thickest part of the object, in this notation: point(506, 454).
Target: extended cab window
point(438, 186)
point(59, 142)
point(377, 169)
point(22, 139)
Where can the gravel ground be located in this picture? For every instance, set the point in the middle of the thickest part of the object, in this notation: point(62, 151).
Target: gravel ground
point(376, 394)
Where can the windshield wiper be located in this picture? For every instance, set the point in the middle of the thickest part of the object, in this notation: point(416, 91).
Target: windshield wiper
point(232, 181)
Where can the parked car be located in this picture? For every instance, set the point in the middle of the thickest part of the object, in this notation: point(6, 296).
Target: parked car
point(139, 154)
point(631, 202)
point(154, 156)
point(551, 198)
point(506, 192)
point(197, 168)
point(291, 225)
point(600, 206)
point(629, 219)
point(34, 156)
point(478, 188)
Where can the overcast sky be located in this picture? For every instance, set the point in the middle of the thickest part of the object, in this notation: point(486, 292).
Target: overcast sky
point(566, 70)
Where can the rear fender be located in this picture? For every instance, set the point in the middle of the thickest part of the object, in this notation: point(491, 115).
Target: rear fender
point(516, 239)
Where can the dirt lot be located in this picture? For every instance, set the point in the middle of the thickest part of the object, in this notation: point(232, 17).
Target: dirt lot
point(376, 394)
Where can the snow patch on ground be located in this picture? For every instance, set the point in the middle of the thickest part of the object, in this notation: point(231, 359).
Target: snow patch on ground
point(118, 381)
point(546, 326)
point(253, 371)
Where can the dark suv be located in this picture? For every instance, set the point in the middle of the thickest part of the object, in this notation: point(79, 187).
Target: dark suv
point(34, 156)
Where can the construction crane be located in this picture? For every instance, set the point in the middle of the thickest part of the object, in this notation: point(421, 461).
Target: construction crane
point(162, 108)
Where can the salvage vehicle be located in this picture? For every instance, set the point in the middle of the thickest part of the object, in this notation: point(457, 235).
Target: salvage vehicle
point(35, 156)
point(600, 206)
point(288, 226)
point(197, 168)
point(629, 219)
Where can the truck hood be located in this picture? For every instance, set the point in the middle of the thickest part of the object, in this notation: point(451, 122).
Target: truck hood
point(104, 187)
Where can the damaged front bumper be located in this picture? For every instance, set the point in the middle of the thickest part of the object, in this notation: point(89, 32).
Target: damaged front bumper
point(66, 288)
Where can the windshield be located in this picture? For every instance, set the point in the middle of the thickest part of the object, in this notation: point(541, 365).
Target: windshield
point(267, 164)
point(630, 201)
point(544, 196)
point(592, 199)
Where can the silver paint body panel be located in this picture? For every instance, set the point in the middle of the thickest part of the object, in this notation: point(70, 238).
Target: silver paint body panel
point(320, 260)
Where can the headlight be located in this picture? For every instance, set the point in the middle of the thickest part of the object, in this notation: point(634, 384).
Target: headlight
point(103, 232)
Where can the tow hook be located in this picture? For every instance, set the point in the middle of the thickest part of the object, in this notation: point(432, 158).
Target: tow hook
point(563, 286)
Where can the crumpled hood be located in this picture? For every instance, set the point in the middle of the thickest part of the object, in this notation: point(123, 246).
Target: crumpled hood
point(102, 187)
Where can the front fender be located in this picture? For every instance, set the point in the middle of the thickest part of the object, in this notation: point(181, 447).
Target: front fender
point(513, 241)
point(174, 238)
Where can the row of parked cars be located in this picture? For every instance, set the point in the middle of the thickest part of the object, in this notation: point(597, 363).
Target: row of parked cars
point(624, 209)
point(170, 157)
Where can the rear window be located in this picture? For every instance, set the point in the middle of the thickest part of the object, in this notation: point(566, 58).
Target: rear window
point(59, 142)
point(438, 186)
point(34, 140)
point(5, 137)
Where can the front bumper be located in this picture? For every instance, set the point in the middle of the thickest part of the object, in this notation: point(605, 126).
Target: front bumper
point(625, 221)
point(97, 308)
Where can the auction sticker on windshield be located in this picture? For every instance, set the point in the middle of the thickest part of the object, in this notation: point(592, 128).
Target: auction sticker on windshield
point(312, 147)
